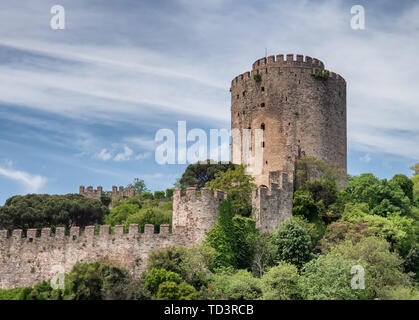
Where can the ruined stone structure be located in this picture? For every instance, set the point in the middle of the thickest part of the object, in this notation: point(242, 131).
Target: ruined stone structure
point(27, 258)
point(115, 194)
point(298, 114)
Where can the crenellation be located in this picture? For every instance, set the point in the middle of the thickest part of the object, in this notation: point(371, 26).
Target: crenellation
point(133, 230)
point(118, 230)
point(17, 234)
point(149, 229)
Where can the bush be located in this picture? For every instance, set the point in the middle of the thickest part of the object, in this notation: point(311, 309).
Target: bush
point(155, 277)
point(328, 278)
point(169, 192)
point(293, 243)
point(158, 195)
point(281, 282)
point(42, 210)
point(239, 285)
point(257, 77)
point(147, 195)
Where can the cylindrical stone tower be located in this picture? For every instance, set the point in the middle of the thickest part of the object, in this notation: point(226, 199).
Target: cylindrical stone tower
point(300, 113)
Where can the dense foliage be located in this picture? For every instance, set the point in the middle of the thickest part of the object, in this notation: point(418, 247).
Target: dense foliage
point(371, 224)
point(42, 210)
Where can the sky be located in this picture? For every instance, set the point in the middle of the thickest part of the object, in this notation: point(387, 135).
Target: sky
point(82, 105)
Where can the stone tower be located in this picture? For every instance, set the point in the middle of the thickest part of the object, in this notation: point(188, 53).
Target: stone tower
point(299, 113)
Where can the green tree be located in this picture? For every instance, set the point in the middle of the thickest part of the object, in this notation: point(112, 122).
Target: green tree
point(119, 214)
point(198, 174)
point(235, 285)
point(42, 210)
point(233, 238)
point(158, 195)
point(405, 184)
point(138, 185)
point(281, 282)
point(293, 243)
point(383, 268)
point(169, 192)
point(383, 197)
point(328, 278)
point(155, 277)
point(264, 254)
point(221, 237)
point(238, 185)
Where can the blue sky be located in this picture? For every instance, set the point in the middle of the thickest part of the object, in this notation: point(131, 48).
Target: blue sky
point(81, 106)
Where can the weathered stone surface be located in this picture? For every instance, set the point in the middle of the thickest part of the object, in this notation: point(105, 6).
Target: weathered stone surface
point(27, 260)
point(300, 114)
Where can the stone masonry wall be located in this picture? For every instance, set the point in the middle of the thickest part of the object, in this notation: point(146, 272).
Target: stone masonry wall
point(27, 258)
point(299, 113)
point(273, 205)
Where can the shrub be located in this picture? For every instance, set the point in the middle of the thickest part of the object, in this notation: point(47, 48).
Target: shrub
point(281, 282)
point(293, 243)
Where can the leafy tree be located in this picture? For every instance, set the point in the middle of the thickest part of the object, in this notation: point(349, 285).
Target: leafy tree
point(281, 282)
point(412, 261)
point(96, 281)
point(238, 185)
point(147, 195)
point(169, 192)
point(42, 210)
point(340, 231)
point(328, 278)
point(396, 229)
point(222, 238)
point(235, 285)
point(264, 254)
point(415, 180)
point(293, 243)
point(138, 185)
point(405, 184)
point(158, 195)
point(190, 263)
point(119, 214)
point(198, 174)
point(170, 290)
point(105, 199)
point(233, 238)
point(383, 197)
point(156, 216)
point(155, 277)
point(383, 268)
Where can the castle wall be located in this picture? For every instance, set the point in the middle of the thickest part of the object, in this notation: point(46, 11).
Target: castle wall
point(28, 259)
point(272, 206)
point(302, 115)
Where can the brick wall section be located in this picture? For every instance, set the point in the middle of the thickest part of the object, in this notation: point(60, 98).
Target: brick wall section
point(27, 260)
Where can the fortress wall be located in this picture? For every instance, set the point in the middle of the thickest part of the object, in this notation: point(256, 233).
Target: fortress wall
point(273, 205)
point(26, 259)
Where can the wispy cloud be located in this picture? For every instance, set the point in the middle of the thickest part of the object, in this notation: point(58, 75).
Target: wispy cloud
point(31, 183)
point(124, 156)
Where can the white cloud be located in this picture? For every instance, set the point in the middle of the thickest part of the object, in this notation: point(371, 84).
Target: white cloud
point(124, 156)
point(365, 158)
point(104, 155)
point(142, 156)
point(32, 183)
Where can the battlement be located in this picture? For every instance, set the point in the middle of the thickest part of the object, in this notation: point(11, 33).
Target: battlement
point(74, 233)
point(195, 211)
point(303, 64)
point(115, 194)
point(274, 204)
